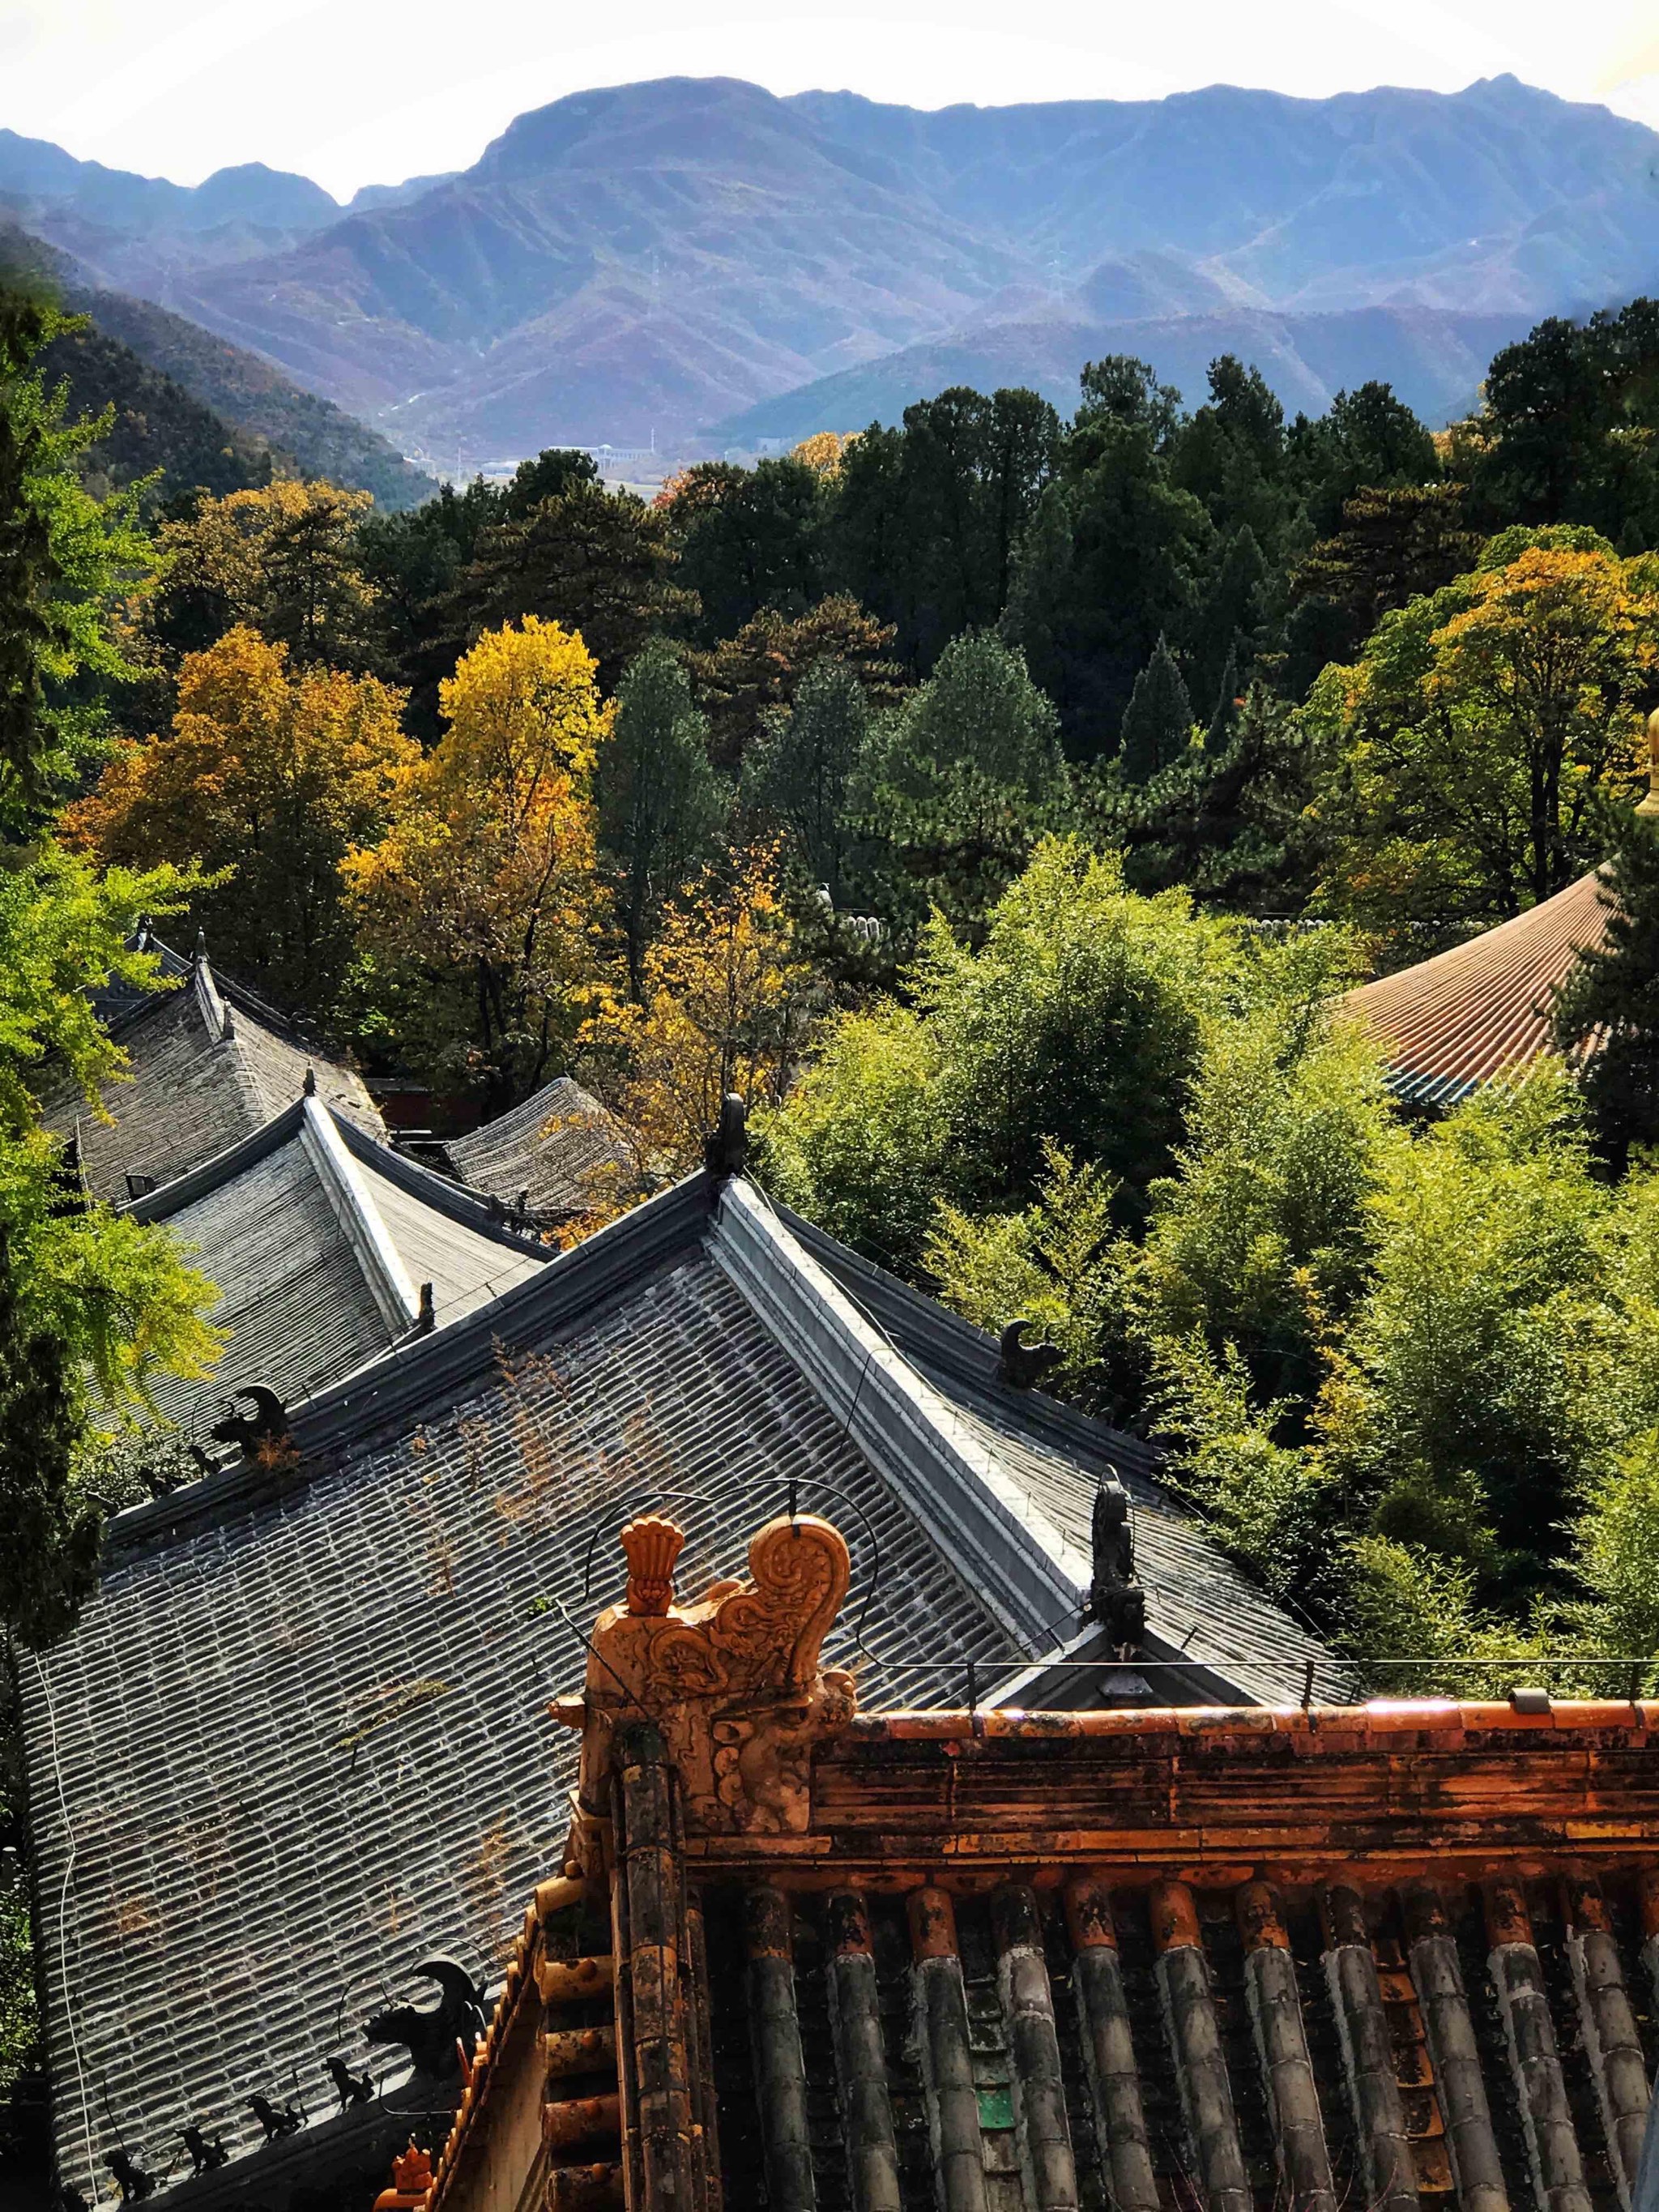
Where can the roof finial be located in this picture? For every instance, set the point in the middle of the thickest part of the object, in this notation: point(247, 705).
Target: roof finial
point(1116, 1599)
point(201, 942)
point(652, 1546)
point(309, 1086)
point(726, 1150)
point(1651, 803)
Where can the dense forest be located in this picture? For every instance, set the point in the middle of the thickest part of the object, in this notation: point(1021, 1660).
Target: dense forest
point(1000, 805)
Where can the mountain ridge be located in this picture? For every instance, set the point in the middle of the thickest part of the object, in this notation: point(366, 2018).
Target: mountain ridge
point(646, 260)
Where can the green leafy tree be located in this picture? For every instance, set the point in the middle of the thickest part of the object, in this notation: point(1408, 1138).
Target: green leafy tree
point(1061, 1264)
point(660, 801)
point(1466, 752)
point(1076, 1023)
point(1261, 1241)
point(51, 1559)
point(1157, 722)
point(65, 558)
point(861, 1143)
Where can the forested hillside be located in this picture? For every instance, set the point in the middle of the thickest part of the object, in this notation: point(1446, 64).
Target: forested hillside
point(187, 401)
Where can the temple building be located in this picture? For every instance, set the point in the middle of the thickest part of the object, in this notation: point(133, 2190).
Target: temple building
point(1481, 1010)
point(210, 1064)
point(328, 1248)
point(557, 1156)
point(807, 1948)
point(292, 1774)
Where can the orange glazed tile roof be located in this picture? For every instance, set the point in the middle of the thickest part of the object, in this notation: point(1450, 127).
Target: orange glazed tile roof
point(1482, 1010)
point(1400, 1957)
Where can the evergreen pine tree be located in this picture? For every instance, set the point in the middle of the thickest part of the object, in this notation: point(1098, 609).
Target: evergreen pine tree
point(660, 801)
point(1233, 615)
point(1606, 1017)
point(1218, 735)
point(1158, 721)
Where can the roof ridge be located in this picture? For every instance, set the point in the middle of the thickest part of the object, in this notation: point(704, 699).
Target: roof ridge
point(1023, 1563)
point(461, 1201)
point(371, 1240)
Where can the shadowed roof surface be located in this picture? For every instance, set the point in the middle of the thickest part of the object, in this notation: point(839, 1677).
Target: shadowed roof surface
point(1481, 1010)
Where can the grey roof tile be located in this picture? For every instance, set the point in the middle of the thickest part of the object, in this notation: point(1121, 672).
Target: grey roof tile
point(299, 1740)
point(193, 1089)
point(560, 1145)
point(267, 1223)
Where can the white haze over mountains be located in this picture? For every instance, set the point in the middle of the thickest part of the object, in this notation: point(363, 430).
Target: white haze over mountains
point(357, 92)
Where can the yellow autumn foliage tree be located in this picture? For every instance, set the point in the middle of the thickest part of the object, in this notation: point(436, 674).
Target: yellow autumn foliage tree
point(480, 912)
point(823, 451)
point(728, 1006)
point(281, 559)
point(268, 776)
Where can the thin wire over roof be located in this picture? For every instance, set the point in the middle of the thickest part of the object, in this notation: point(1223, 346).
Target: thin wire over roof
point(1450, 1024)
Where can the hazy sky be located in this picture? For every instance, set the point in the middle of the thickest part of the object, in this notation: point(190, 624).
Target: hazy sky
point(356, 92)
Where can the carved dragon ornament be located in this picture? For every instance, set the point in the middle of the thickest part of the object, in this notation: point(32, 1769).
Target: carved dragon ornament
point(732, 1682)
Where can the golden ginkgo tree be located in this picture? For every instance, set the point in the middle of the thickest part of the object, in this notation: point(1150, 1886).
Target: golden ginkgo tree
point(480, 911)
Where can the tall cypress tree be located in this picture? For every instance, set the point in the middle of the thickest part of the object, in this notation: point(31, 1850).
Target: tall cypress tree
point(1157, 723)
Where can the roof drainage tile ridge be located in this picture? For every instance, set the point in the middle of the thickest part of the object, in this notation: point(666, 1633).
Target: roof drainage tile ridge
point(366, 1231)
point(459, 1201)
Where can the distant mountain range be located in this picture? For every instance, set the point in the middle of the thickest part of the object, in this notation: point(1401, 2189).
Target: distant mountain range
point(697, 256)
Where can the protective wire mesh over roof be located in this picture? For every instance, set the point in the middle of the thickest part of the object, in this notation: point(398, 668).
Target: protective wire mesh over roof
point(1453, 1023)
point(559, 1152)
point(319, 1241)
point(204, 1071)
point(298, 1743)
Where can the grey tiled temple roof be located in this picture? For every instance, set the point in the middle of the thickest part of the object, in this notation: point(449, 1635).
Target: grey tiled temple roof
point(209, 1066)
point(319, 1240)
point(299, 1743)
point(559, 1150)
